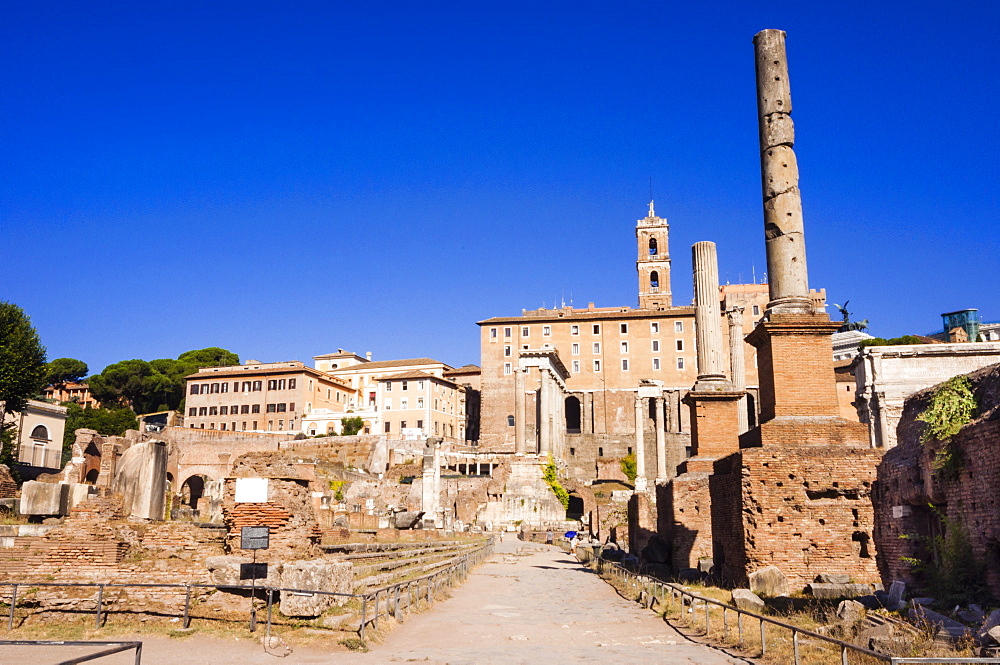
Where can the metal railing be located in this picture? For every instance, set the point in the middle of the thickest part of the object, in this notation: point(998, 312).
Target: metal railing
point(660, 590)
point(388, 596)
point(110, 649)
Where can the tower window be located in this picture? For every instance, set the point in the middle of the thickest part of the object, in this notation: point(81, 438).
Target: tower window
point(510, 421)
point(624, 328)
point(652, 247)
point(597, 328)
point(654, 279)
point(678, 326)
point(654, 327)
point(546, 330)
point(574, 330)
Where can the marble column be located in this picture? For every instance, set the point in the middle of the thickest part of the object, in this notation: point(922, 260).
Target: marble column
point(784, 233)
point(544, 425)
point(661, 440)
point(707, 317)
point(520, 445)
point(737, 362)
point(641, 483)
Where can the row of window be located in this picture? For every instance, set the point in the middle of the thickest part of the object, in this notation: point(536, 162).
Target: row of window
point(248, 386)
point(508, 350)
point(403, 385)
point(447, 430)
point(279, 407)
point(654, 327)
point(508, 368)
point(253, 426)
point(404, 404)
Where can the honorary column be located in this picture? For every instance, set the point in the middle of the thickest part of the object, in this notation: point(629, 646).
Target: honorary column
point(783, 229)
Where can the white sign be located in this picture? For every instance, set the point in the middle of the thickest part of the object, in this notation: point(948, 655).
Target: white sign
point(251, 490)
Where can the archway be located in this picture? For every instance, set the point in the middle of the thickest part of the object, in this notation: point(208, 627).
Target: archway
point(652, 247)
point(751, 411)
point(572, 415)
point(91, 478)
point(654, 279)
point(192, 490)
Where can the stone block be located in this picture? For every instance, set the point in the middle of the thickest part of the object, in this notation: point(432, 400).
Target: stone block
point(994, 634)
point(896, 591)
point(44, 498)
point(234, 570)
point(407, 520)
point(970, 615)
point(769, 581)
point(141, 477)
point(820, 590)
point(79, 492)
point(834, 578)
point(336, 576)
point(706, 565)
point(851, 611)
point(745, 599)
point(945, 625)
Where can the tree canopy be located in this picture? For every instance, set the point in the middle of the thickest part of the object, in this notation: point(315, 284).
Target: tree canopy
point(892, 341)
point(155, 385)
point(110, 422)
point(352, 425)
point(61, 371)
point(22, 361)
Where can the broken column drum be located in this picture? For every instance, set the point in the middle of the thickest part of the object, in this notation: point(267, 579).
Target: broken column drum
point(707, 314)
point(787, 275)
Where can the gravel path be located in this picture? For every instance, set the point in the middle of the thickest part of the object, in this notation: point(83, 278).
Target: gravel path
point(528, 604)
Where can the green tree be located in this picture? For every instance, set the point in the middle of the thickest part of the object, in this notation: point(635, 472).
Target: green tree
point(110, 422)
point(892, 341)
point(351, 426)
point(61, 371)
point(22, 363)
point(629, 467)
point(213, 356)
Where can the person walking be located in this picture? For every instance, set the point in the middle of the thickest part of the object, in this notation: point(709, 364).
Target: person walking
point(549, 537)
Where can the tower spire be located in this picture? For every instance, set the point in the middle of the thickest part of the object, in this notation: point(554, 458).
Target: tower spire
point(651, 212)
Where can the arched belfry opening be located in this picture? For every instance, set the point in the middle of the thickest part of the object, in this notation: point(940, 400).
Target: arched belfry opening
point(652, 247)
point(654, 279)
point(572, 415)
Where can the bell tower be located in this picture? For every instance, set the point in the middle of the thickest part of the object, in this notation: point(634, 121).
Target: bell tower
point(653, 264)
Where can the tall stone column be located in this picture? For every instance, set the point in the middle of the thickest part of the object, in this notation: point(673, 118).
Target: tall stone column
point(737, 362)
point(661, 440)
point(544, 414)
point(641, 484)
point(586, 406)
point(787, 277)
point(520, 445)
point(706, 314)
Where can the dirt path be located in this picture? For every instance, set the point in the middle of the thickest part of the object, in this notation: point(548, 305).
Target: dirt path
point(528, 604)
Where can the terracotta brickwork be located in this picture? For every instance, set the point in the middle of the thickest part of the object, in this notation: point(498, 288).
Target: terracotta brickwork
point(685, 517)
point(805, 509)
point(908, 485)
point(289, 514)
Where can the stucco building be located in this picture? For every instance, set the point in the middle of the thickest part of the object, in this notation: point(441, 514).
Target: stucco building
point(40, 429)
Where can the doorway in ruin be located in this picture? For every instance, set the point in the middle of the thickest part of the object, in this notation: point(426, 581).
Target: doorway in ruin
point(572, 415)
point(192, 490)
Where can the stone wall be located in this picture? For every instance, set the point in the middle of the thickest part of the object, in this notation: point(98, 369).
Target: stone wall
point(805, 509)
point(908, 485)
point(684, 518)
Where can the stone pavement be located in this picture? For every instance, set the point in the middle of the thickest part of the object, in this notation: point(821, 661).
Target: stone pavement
point(529, 603)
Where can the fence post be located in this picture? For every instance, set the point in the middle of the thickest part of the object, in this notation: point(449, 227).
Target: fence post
point(795, 646)
point(364, 617)
point(739, 625)
point(100, 602)
point(396, 609)
point(13, 604)
point(187, 607)
point(843, 656)
point(708, 626)
point(270, 603)
point(763, 643)
point(375, 617)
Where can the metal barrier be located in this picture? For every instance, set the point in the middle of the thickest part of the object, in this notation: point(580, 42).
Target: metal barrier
point(638, 582)
point(449, 575)
point(112, 648)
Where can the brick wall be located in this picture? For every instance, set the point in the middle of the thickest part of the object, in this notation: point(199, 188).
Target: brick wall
point(685, 518)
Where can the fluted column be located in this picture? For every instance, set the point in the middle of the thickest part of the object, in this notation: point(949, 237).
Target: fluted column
point(737, 366)
point(641, 483)
point(520, 446)
point(784, 233)
point(661, 440)
point(706, 313)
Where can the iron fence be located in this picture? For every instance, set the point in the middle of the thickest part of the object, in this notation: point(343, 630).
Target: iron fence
point(110, 648)
point(660, 590)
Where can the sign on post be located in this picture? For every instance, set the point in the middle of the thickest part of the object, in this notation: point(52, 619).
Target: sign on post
point(254, 538)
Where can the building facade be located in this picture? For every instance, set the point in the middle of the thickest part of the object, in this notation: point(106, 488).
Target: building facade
point(40, 430)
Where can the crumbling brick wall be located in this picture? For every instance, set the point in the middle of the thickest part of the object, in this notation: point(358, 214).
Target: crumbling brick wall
point(685, 518)
point(909, 485)
point(805, 509)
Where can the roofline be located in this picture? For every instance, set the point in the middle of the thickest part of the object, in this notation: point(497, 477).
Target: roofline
point(591, 315)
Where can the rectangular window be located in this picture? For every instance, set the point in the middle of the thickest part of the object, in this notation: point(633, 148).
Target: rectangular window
point(246, 386)
point(281, 407)
point(193, 411)
point(291, 406)
point(420, 403)
point(756, 310)
point(546, 331)
point(678, 326)
point(597, 365)
point(291, 383)
point(654, 327)
point(436, 426)
point(281, 425)
point(281, 384)
point(204, 389)
point(388, 386)
point(656, 345)
point(506, 351)
point(222, 426)
point(388, 427)
point(404, 404)
point(244, 425)
point(525, 331)
point(402, 425)
point(623, 328)
point(234, 409)
point(225, 388)
point(213, 410)
point(680, 363)
point(404, 385)
point(575, 349)
point(576, 366)
point(597, 348)
point(223, 410)
point(420, 424)
point(255, 409)
point(236, 387)
point(574, 330)
point(245, 409)
point(493, 333)
point(194, 388)
point(272, 408)
point(507, 369)
point(255, 424)
point(680, 345)
point(420, 385)
point(387, 404)
point(624, 347)
point(215, 387)
point(272, 384)
point(507, 332)
point(256, 386)
point(656, 363)
point(624, 364)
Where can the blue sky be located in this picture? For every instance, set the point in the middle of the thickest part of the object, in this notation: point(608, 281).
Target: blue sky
point(286, 180)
